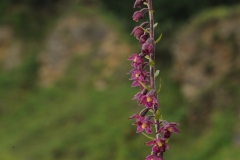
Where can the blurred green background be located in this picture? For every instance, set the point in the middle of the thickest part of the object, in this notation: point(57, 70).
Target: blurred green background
point(65, 94)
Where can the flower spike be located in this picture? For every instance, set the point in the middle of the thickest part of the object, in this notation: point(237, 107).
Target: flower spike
point(147, 97)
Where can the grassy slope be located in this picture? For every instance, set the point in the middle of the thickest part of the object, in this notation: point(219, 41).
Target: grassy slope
point(70, 123)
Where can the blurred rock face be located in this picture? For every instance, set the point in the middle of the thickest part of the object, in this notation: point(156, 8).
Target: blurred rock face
point(206, 50)
point(10, 49)
point(80, 35)
point(206, 57)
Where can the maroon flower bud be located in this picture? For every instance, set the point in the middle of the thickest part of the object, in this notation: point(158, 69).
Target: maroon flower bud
point(139, 14)
point(147, 47)
point(137, 32)
point(143, 39)
point(144, 24)
point(144, 112)
point(138, 4)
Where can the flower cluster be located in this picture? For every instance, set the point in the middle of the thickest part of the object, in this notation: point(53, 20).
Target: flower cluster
point(143, 76)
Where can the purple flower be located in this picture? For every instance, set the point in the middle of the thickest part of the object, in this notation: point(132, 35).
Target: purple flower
point(136, 60)
point(168, 129)
point(159, 145)
point(138, 74)
point(147, 47)
point(139, 95)
point(153, 157)
point(142, 124)
point(137, 32)
point(138, 4)
point(149, 100)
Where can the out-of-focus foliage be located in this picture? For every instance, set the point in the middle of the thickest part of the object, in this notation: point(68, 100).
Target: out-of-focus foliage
point(73, 120)
point(167, 12)
point(170, 14)
point(29, 17)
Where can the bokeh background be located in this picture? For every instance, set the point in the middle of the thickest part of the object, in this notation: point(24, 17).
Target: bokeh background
point(65, 94)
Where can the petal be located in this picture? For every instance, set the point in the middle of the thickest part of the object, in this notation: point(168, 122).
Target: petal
point(139, 128)
point(148, 130)
point(149, 157)
point(134, 116)
point(167, 146)
point(175, 130)
point(143, 99)
point(135, 83)
point(150, 143)
point(161, 129)
point(149, 105)
point(173, 124)
point(131, 57)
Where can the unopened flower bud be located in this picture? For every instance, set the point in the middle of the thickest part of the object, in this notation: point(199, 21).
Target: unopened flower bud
point(144, 112)
point(139, 14)
point(147, 47)
point(137, 32)
point(143, 39)
point(144, 24)
point(138, 4)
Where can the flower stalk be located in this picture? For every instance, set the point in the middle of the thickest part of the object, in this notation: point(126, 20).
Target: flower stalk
point(145, 79)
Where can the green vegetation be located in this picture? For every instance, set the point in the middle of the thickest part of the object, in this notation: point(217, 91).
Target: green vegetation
point(72, 120)
point(79, 122)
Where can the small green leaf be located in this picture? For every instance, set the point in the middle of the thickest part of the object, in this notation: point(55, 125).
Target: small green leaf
point(159, 38)
point(155, 25)
point(147, 57)
point(151, 111)
point(167, 140)
point(160, 86)
point(161, 118)
point(148, 136)
point(152, 63)
point(156, 73)
point(158, 115)
point(145, 30)
point(144, 85)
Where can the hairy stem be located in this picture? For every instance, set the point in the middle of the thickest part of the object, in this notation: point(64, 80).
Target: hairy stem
point(152, 69)
point(152, 56)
